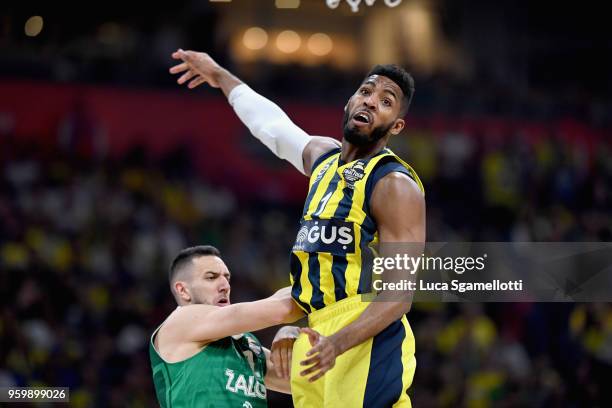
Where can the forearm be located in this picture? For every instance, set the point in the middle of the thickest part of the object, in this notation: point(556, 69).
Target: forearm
point(227, 81)
point(374, 319)
point(286, 308)
point(268, 123)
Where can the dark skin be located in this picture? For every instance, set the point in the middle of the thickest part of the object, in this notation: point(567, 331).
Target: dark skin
point(397, 204)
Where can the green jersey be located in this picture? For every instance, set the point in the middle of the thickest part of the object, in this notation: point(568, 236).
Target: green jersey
point(226, 373)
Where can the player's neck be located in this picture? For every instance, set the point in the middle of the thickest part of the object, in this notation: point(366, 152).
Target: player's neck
point(350, 152)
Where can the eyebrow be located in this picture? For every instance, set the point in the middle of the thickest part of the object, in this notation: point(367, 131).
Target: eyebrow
point(387, 90)
point(217, 273)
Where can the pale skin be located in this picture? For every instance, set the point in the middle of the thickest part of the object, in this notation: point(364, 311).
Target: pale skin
point(397, 204)
point(202, 289)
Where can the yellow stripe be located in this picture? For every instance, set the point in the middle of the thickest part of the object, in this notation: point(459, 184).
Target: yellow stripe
point(357, 215)
point(306, 295)
point(316, 170)
point(334, 200)
point(322, 187)
point(409, 364)
point(353, 268)
point(326, 280)
point(411, 170)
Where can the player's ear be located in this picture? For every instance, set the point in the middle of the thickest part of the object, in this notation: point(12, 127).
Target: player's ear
point(398, 126)
point(182, 291)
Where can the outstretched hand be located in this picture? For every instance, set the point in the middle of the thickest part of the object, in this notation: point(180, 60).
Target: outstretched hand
point(321, 357)
point(197, 67)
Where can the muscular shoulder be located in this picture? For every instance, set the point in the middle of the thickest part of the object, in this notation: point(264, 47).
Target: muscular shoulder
point(398, 206)
point(317, 147)
point(398, 186)
point(181, 319)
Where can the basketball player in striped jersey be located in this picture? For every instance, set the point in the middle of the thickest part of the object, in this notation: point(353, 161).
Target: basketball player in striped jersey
point(354, 353)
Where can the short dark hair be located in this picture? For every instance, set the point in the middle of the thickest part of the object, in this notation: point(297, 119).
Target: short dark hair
point(187, 254)
point(401, 77)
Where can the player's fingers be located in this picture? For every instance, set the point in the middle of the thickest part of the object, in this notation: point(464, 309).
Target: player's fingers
point(198, 81)
point(186, 56)
point(310, 360)
point(311, 370)
point(283, 354)
point(283, 361)
point(313, 336)
point(317, 376)
point(290, 359)
point(276, 361)
point(316, 349)
point(186, 76)
point(178, 54)
point(179, 68)
point(325, 366)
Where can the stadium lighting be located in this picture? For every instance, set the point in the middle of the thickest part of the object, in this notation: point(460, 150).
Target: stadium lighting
point(33, 26)
point(288, 41)
point(320, 44)
point(287, 4)
point(255, 38)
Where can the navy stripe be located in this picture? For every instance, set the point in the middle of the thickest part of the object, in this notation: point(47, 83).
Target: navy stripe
point(339, 264)
point(385, 166)
point(384, 385)
point(296, 272)
point(311, 194)
point(314, 187)
point(323, 157)
point(345, 204)
point(367, 260)
point(381, 169)
point(333, 183)
point(314, 275)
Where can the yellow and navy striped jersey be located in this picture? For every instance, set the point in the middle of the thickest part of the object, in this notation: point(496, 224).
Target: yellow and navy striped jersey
point(329, 256)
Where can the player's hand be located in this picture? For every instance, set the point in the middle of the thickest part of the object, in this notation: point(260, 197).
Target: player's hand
point(321, 357)
point(198, 67)
point(282, 350)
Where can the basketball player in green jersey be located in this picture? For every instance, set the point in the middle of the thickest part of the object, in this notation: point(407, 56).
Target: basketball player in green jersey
point(202, 355)
point(354, 353)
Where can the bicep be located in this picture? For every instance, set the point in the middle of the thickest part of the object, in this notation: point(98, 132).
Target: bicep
point(398, 206)
point(318, 146)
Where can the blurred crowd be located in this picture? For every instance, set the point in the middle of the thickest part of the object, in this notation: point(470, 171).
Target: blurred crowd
point(85, 244)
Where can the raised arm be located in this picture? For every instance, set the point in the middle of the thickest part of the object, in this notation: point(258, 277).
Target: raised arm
point(205, 323)
point(398, 206)
point(266, 120)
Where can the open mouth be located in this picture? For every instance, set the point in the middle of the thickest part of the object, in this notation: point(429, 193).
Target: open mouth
point(362, 117)
point(223, 302)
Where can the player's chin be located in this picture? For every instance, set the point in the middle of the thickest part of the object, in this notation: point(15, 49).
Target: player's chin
point(356, 136)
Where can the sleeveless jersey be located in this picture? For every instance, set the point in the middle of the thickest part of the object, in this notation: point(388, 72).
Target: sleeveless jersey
point(330, 253)
point(226, 373)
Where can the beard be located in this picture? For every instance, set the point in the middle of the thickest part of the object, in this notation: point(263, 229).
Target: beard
point(355, 137)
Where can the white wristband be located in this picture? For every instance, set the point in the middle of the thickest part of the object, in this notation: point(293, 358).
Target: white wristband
point(268, 123)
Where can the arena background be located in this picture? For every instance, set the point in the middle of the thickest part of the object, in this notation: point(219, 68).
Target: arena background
point(108, 168)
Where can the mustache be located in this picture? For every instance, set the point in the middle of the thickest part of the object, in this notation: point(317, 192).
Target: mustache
point(355, 137)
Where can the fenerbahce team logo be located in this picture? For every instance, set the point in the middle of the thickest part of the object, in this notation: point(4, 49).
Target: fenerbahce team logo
point(354, 173)
point(335, 237)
